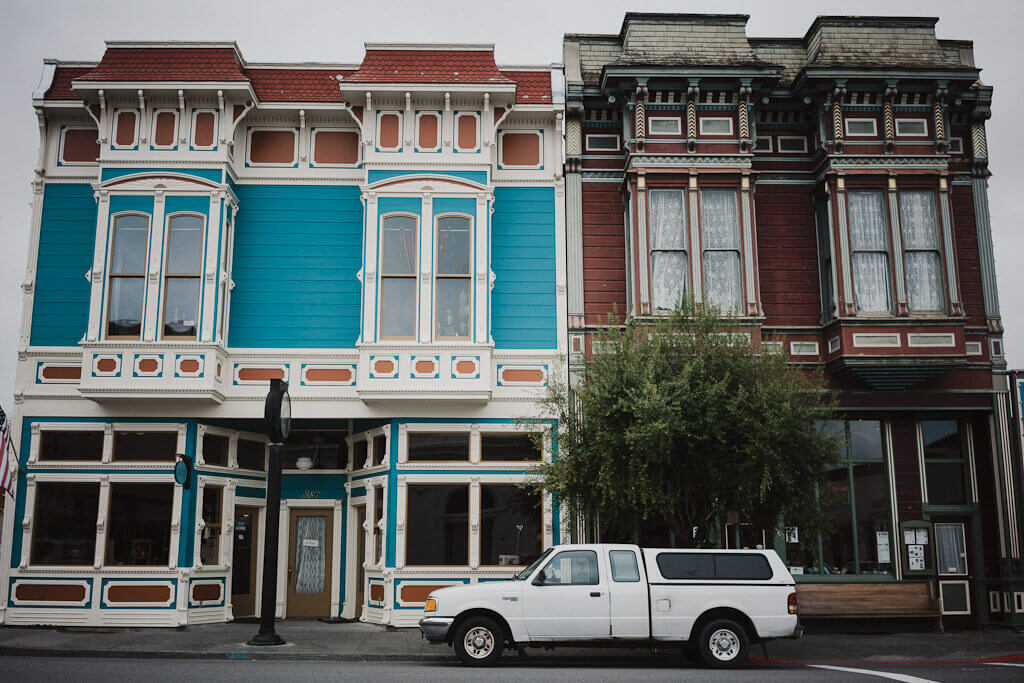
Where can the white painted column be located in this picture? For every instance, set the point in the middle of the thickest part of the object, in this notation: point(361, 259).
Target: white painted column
point(369, 557)
point(896, 237)
point(946, 223)
point(481, 276)
point(561, 284)
point(749, 255)
point(214, 231)
point(693, 230)
point(474, 522)
point(401, 504)
point(153, 312)
point(425, 281)
point(643, 253)
point(97, 275)
point(369, 272)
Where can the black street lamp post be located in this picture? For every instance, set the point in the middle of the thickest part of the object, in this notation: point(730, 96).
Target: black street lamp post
point(277, 416)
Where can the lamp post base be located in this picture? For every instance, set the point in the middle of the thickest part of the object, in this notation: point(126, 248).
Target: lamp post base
point(266, 639)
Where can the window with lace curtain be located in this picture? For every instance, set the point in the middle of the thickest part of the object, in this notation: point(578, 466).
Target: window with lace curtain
point(398, 277)
point(720, 237)
point(922, 262)
point(870, 251)
point(669, 261)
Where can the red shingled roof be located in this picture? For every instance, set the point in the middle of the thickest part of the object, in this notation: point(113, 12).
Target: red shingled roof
point(534, 87)
point(297, 85)
point(428, 66)
point(60, 88)
point(167, 64)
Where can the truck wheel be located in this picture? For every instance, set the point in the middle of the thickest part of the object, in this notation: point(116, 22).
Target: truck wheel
point(479, 641)
point(723, 644)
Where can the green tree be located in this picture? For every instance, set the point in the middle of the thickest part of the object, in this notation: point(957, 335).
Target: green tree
point(680, 422)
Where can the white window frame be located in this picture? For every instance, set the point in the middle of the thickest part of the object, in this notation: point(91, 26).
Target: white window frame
point(900, 123)
point(165, 276)
point(113, 127)
point(192, 129)
point(248, 436)
point(440, 123)
point(796, 348)
point(263, 129)
point(872, 134)
point(759, 139)
point(152, 127)
point(415, 276)
point(331, 129)
point(956, 146)
point(602, 136)
point(108, 286)
point(803, 144)
point(676, 120)
point(368, 436)
point(468, 277)
point(455, 132)
point(60, 147)
point(715, 119)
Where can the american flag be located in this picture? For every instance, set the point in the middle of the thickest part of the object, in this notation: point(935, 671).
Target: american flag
point(6, 479)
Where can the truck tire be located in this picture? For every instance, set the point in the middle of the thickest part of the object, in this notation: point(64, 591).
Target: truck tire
point(722, 644)
point(479, 641)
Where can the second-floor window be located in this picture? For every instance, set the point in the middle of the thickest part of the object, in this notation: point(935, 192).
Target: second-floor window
point(181, 275)
point(398, 277)
point(127, 275)
point(870, 251)
point(720, 236)
point(669, 260)
point(922, 262)
point(454, 282)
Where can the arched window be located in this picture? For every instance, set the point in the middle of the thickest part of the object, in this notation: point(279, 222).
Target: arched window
point(127, 275)
point(398, 277)
point(181, 275)
point(453, 297)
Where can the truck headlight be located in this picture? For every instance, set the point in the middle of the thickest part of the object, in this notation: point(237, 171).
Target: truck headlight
point(431, 605)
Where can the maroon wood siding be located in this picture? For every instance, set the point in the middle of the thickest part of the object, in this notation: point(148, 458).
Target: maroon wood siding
point(905, 468)
point(604, 252)
point(969, 269)
point(788, 255)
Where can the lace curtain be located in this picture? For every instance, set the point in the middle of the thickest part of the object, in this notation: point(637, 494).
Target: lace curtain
point(720, 232)
point(923, 266)
point(870, 251)
point(310, 554)
point(669, 261)
point(949, 547)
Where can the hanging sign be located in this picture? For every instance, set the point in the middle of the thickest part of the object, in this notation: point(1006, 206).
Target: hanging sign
point(183, 471)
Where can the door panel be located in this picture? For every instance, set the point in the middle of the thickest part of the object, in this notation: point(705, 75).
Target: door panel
point(309, 563)
point(360, 558)
point(573, 604)
point(243, 561)
point(627, 591)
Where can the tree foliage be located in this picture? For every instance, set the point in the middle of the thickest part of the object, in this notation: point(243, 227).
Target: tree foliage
point(680, 423)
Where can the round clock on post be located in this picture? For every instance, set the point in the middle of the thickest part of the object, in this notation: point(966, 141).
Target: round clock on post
point(277, 412)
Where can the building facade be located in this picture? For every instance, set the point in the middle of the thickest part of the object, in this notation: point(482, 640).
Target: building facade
point(831, 193)
point(387, 237)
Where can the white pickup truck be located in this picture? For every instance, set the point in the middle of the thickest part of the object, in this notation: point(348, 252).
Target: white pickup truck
point(712, 602)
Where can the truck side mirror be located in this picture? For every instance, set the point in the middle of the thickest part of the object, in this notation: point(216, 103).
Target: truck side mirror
point(541, 578)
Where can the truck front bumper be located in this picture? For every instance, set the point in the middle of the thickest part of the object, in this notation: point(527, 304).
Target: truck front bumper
point(435, 629)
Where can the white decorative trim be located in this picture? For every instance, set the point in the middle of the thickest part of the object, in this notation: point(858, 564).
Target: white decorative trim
point(876, 340)
point(931, 340)
point(803, 348)
point(597, 136)
point(715, 119)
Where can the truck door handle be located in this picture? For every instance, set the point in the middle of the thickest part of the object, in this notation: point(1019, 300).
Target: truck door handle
point(595, 594)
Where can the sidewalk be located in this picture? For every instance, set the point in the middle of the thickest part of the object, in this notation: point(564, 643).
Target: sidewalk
point(314, 640)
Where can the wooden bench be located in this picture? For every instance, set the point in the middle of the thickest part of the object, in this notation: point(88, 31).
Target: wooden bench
point(868, 600)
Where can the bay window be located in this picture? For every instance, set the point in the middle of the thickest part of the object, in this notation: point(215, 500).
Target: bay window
point(669, 261)
point(454, 280)
point(182, 275)
point(870, 251)
point(64, 523)
point(127, 275)
point(510, 525)
point(720, 236)
point(922, 262)
point(139, 524)
point(398, 277)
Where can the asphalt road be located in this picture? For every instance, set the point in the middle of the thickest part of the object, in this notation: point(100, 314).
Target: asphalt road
point(25, 669)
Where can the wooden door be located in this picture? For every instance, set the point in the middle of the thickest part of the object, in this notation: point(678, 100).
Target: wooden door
point(360, 558)
point(309, 563)
point(243, 561)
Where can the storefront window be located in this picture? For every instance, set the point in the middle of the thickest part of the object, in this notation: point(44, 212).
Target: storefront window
point(64, 524)
point(857, 495)
point(145, 446)
point(209, 550)
point(314, 450)
point(77, 446)
point(437, 524)
point(510, 525)
point(944, 462)
point(507, 447)
point(438, 447)
point(252, 455)
point(139, 524)
point(215, 449)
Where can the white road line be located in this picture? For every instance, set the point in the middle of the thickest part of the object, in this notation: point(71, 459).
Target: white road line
point(1004, 664)
point(870, 672)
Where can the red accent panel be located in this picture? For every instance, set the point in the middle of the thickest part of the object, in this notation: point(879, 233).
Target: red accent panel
point(81, 145)
point(204, 129)
point(272, 146)
point(125, 128)
point(467, 132)
point(426, 134)
point(336, 147)
point(388, 131)
point(604, 252)
point(164, 133)
point(787, 255)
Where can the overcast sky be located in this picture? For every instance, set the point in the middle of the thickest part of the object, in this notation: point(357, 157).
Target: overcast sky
point(524, 32)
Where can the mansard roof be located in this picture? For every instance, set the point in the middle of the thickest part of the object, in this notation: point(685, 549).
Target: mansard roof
point(178, 62)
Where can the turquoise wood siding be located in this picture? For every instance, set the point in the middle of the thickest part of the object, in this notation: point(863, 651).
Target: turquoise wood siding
point(523, 260)
point(297, 251)
point(67, 237)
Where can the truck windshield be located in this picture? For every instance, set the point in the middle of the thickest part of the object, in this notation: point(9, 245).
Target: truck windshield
point(522, 576)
